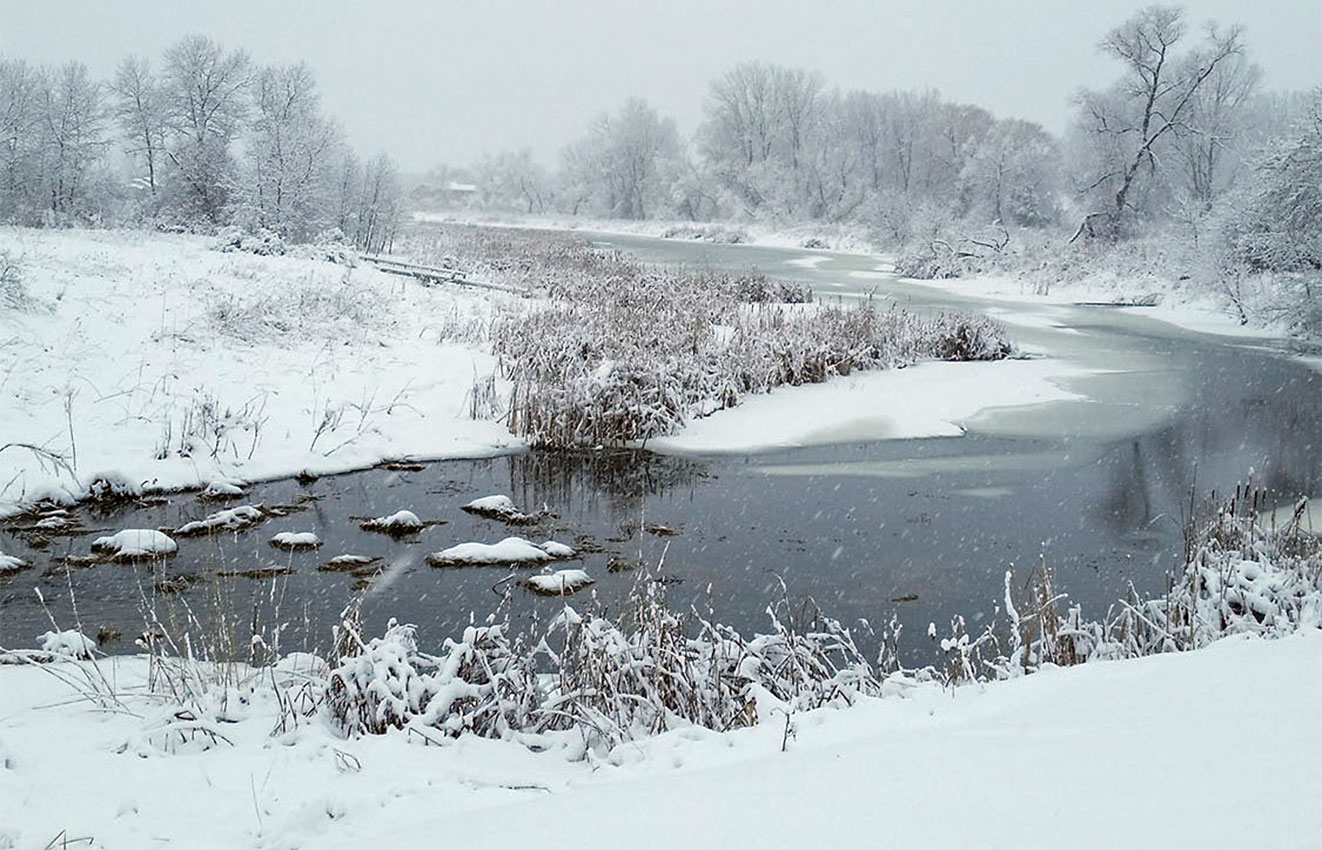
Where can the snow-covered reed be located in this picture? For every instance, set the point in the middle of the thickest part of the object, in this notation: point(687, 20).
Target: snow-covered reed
point(608, 681)
point(1240, 576)
point(621, 351)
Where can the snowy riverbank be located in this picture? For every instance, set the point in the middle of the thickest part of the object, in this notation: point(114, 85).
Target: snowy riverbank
point(1210, 749)
point(150, 360)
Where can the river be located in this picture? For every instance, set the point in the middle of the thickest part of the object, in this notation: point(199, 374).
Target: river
point(919, 530)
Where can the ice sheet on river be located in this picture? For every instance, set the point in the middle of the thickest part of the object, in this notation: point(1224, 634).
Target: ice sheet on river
point(927, 400)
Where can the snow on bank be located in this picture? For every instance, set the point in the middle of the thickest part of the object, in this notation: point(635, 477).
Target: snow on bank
point(1218, 748)
point(926, 400)
point(1188, 309)
point(150, 360)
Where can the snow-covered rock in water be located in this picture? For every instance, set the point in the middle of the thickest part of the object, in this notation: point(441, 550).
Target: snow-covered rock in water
point(230, 519)
point(347, 561)
point(499, 507)
point(220, 490)
point(400, 522)
point(559, 551)
point(511, 550)
point(490, 504)
point(132, 543)
point(68, 643)
point(558, 583)
point(296, 540)
point(11, 563)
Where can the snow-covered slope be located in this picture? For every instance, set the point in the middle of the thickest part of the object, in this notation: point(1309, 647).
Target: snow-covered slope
point(150, 360)
point(1211, 749)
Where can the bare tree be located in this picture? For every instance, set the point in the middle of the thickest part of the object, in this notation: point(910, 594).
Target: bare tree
point(513, 181)
point(1153, 100)
point(380, 206)
point(1208, 138)
point(20, 88)
point(626, 164)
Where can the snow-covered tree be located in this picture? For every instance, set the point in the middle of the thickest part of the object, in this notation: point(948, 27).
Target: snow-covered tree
point(71, 133)
point(205, 96)
point(513, 180)
point(1149, 106)
point(380, 206)
point(1279, 227)
point(624, 167)
point(20, 183)
point(760, 126)
point(140, 113)
point(1013, 176)
point(289, 155)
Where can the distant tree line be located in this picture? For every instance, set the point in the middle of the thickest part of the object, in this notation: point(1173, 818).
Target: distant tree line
point(204, 138)
point(1181, 141)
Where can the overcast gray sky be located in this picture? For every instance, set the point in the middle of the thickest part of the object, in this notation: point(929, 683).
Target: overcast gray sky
point(435, 82)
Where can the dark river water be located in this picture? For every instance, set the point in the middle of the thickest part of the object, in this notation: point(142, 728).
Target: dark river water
point(918, 529)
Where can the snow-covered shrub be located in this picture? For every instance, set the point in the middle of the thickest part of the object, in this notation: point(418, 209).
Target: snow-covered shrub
point(67, 644)
point(313, 308)
point(714, 233)
point(328, 247)
point(479, 685)
point(641, 367)
point(263, 243)
point(113, 486)
point(1240, 577)
point(203, 424)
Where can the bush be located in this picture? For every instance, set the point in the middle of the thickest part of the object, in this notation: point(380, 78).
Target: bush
point(263, 243)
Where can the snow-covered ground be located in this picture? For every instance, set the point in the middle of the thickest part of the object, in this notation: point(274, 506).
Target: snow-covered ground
point(149, 359)
point(1219, 748)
